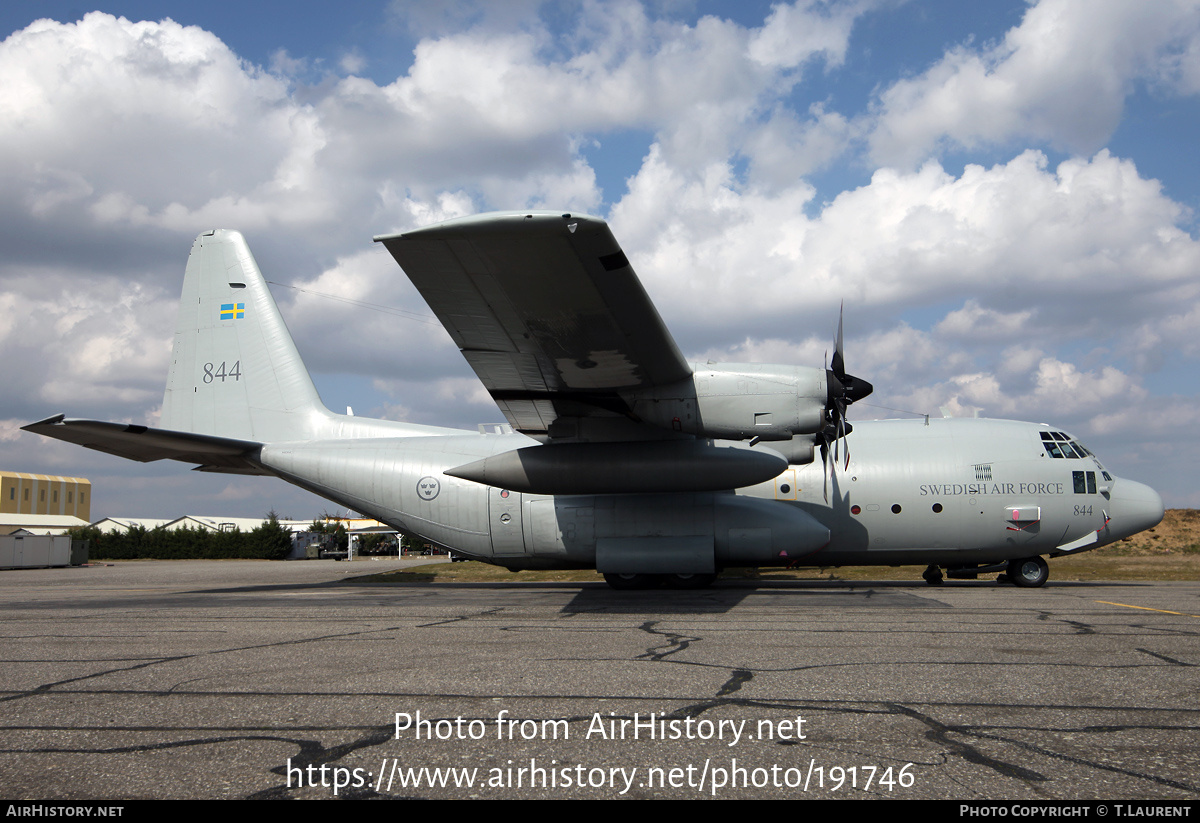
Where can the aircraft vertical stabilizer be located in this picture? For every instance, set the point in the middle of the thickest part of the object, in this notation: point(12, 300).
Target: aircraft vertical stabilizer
point(235, 371)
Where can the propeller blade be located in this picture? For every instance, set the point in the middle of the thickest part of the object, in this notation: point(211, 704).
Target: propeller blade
point(838, 366)
point(825, 467)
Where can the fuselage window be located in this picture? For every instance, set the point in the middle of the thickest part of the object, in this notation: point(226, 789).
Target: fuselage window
point(1091, 480)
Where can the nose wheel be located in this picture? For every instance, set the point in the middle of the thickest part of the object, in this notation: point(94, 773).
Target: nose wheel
point(932, 575)
point(1029, 572)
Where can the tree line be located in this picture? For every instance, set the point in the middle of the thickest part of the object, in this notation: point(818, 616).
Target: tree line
point(270, 541)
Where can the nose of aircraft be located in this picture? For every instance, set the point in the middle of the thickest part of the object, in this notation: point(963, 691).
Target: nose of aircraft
point(1135, 507)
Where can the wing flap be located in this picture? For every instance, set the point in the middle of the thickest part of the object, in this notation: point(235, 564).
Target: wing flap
point(509, 371)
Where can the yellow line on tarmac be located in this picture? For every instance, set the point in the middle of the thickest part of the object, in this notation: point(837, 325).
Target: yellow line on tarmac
point(1145, 608)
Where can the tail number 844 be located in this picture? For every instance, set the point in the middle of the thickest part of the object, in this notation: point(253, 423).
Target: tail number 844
point(222, 372)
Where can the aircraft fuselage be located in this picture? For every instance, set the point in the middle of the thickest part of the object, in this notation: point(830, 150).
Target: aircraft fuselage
point(946, 492)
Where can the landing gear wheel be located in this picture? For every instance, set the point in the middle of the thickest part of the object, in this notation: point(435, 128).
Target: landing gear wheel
point(628, 582)
point(1028, 573)
point(932, 575)
point(689, 581)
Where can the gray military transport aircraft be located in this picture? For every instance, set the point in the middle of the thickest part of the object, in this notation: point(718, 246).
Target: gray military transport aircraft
point(620, 455)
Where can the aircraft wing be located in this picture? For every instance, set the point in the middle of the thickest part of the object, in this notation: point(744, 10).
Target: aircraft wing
point(145, 444)
point(546, 309)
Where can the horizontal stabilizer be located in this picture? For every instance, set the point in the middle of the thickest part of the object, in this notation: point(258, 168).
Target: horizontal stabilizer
point(145, 444)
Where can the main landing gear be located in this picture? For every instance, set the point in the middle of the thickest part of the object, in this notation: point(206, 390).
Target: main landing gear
point(932, 575)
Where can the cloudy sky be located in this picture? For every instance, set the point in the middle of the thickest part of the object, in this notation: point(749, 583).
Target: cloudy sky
point(1004, 194)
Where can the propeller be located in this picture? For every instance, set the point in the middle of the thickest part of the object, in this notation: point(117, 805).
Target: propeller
point(844, 389)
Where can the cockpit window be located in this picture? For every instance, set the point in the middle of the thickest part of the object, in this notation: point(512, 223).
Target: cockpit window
point(1059, 444)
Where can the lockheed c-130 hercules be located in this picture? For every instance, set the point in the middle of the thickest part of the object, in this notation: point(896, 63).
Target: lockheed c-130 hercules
point(620, 455)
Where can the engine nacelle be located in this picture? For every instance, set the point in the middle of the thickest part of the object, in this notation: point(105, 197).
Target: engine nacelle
point(739, 401)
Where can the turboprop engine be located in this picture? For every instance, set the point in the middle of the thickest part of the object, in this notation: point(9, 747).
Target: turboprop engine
point(789, 406)
point(738, 402)
point(796, 408)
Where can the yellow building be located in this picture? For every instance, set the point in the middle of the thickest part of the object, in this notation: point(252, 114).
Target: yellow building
point(45, 494)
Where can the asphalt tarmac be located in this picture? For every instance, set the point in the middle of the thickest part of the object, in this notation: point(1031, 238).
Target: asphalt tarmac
point(246, 679)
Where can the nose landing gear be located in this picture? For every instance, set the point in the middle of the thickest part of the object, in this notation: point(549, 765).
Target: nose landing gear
point(1028, 572)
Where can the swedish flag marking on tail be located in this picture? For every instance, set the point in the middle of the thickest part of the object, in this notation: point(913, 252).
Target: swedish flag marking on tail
point(233, 311)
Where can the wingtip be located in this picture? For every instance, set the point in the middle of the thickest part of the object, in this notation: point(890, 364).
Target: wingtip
point(52, 420)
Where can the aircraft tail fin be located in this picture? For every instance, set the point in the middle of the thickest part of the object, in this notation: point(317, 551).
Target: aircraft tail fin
point(235, 371)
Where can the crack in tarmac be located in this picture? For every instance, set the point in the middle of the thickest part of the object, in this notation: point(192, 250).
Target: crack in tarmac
point(676, 642)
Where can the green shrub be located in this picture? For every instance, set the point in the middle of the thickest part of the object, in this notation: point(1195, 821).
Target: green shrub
point(270, 541)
